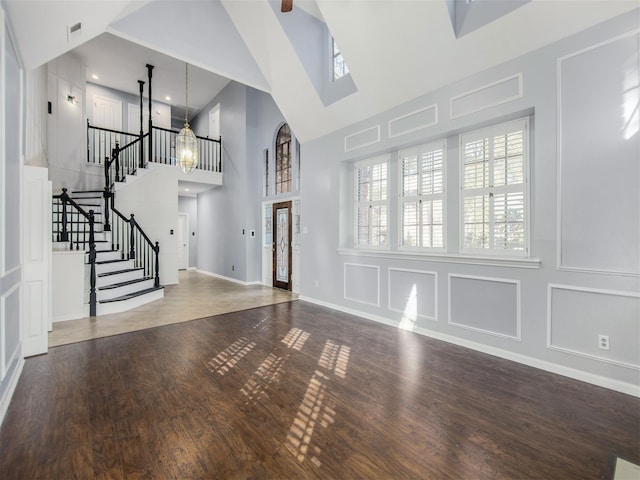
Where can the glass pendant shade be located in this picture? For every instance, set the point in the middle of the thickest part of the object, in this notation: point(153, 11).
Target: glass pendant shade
point(187, 149)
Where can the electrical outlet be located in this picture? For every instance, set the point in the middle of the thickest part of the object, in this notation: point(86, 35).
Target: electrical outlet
point(233, 267)
point(316, 283)
point(603, 342)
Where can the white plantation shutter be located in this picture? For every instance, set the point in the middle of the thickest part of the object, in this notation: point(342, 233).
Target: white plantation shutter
point(422, 177)
point(371, 202)
point(494, 164)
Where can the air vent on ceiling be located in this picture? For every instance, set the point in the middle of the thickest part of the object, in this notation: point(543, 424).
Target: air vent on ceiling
point(74, 30)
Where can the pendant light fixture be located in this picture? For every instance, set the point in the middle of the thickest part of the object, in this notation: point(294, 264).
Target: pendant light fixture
point(186, 143)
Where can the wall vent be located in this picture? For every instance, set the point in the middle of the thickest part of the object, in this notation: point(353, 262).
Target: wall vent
point(74, 30)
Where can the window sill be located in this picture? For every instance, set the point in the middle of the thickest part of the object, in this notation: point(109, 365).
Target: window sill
point(513, 262)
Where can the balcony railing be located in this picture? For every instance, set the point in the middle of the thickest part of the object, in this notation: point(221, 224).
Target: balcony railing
point(101, 143)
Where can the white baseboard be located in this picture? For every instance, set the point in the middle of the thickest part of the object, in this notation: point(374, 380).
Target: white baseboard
point(192, 268)
point(71, 316)
point(611, 384)
point(222, 277)
point(12, 382)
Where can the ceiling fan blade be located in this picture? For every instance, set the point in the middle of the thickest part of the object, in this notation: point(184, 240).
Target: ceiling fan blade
point(287, 6)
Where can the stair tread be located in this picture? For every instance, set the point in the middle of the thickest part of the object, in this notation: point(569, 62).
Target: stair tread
point(87, 191)
point(131, 295)
point(124, 284)
point(127, 270)
point(103, 262)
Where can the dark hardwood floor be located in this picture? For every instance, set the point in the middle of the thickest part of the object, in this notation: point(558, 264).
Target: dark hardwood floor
point(295, 391)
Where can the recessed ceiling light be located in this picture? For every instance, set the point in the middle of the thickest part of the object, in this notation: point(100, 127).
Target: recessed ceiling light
point(186, 189)
point(167, 98)
point(95, 77)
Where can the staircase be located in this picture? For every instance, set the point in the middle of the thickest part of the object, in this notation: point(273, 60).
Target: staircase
point(124, 265)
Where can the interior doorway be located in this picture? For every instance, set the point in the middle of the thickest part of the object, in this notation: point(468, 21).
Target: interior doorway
point(281, 247)
point(183, 241)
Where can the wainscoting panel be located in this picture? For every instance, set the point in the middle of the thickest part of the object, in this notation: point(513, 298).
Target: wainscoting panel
point(577, 316)
point(362, 138)
point(598, 168)
point(362, 283)
point(417, 120)
point(9, 327)
point(414, 293)
point(487, 96)
point(487, 305)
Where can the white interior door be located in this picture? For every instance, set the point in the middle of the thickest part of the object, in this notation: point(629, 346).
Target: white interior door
point(107, 113)
point(183, 241)
point(37, 252)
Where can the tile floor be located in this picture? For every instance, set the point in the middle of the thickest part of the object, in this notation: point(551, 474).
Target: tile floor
point(195, 296)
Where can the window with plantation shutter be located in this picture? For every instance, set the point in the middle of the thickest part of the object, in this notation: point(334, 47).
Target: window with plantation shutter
point(371, 212)
point(422, 200)
point(494, 167)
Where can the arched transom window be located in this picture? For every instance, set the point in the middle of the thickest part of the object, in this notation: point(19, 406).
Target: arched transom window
point(283, 160)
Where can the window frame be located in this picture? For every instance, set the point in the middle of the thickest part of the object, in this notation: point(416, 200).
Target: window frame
point(440, 144)
point(490, 132)
point(336, 52)
point(279, 158)
point(356, 205)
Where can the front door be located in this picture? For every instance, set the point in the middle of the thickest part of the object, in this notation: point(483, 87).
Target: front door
point(282, 245)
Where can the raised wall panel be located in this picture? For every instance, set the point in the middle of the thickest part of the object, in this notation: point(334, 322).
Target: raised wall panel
point(487, 96)
point(9, 327)
point(598, 151)
point(361, 139)
point(487, 305)
point(11, 147)
point(362, 283)
point(413, 293)
point(411, 122)
point(577, 316)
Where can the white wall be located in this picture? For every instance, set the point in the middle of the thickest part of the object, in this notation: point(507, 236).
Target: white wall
point(11, 84)
point(67, 129)
point(153, 199)
point(585, 211)
point(222, 211)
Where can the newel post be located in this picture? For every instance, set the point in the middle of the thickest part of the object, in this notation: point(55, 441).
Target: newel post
point(115, 156)
point(157, 279)
point(107, 196)
point(64, 236)
point(92, 262)
point(132, 250)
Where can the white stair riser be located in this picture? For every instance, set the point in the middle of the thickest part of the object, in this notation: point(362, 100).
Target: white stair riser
point(111, 267)
point(118, 292)
point(123, 306)
point(117, 278)
point(82, 237)
point(104, 255)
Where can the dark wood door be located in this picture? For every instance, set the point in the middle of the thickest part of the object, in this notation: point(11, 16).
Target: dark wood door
point(282, 245)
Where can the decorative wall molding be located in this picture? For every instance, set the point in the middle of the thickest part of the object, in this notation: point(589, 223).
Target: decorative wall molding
point(513, 83)
point(416, 272)
point(363, 138)
point(605, 382)
point(596, 291)
point(518, 319)
point(4, 354)
point(350, 282)
point(423, 118)
point(559, 145)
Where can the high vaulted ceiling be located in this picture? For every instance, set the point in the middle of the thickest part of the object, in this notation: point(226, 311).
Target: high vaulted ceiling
point(396, 50)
